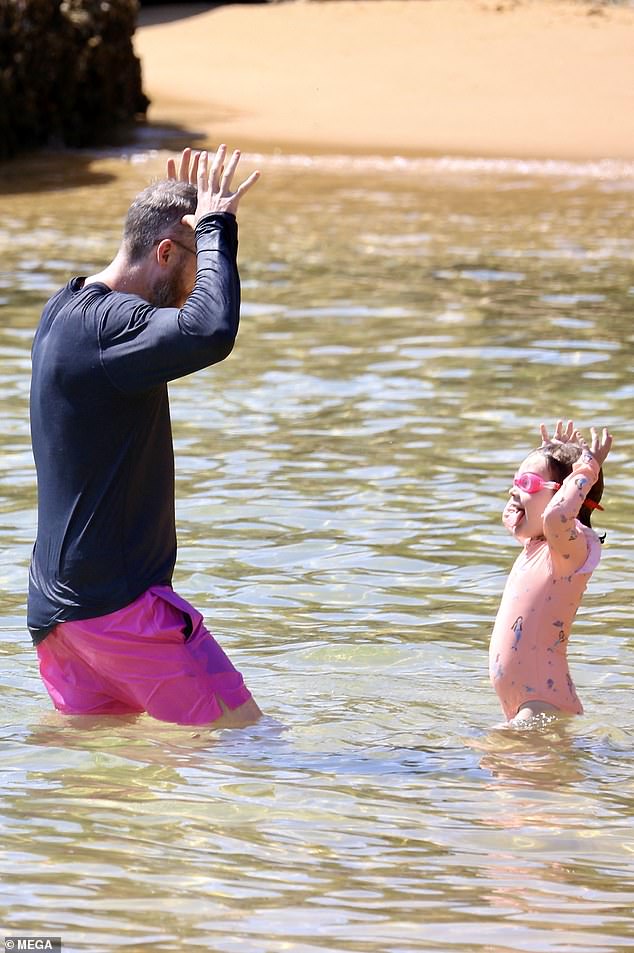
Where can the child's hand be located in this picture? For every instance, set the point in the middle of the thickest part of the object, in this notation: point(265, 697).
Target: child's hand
point(599, 447)
point(561, 434)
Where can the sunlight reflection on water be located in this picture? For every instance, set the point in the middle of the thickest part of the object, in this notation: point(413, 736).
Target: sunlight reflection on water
point(340, 480)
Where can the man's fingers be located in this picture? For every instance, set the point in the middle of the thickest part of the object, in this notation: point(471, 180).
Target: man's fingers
point(202, 179)
point(246, 185)
point(228, 173)
point(183, 165)
point(193, 172)
point(216, 167)
point(187, 169)
point(214, 181)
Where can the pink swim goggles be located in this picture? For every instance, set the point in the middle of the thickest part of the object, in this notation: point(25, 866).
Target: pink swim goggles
point(533, 483)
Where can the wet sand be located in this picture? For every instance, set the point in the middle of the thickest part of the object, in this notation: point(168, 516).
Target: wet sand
point(413, 77)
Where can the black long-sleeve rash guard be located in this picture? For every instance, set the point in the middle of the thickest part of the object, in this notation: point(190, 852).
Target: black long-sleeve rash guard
point(101, 431)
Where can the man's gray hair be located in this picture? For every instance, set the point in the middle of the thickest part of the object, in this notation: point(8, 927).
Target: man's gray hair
point(156, 213)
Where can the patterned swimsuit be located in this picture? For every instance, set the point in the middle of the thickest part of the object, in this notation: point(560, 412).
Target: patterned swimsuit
point(528, 650)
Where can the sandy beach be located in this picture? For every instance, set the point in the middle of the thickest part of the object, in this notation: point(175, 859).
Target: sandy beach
point(532, 79)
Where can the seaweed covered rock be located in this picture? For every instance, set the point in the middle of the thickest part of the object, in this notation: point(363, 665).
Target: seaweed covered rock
point(68, 72)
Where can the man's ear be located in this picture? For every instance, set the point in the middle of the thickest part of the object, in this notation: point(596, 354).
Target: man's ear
point(164, 250)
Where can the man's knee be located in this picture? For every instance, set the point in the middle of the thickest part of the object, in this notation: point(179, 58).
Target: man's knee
point(241, 717)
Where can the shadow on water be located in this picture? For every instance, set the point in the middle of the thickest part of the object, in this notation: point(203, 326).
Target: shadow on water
point(54, 170)
point(50, 171)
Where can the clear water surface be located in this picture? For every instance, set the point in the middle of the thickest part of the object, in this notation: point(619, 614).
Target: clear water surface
point(406, 326)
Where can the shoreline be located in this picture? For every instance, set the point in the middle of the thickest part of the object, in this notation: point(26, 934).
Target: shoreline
point(516, 79)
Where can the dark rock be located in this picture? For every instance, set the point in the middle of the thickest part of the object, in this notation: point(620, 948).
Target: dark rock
point(68, 72)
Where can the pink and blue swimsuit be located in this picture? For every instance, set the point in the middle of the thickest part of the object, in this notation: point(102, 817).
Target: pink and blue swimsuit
point(528, 649)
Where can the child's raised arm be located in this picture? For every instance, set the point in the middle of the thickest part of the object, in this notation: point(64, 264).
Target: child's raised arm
point(600, 446)
point(568, 546)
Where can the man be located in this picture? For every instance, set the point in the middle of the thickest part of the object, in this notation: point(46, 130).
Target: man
point(112, 636)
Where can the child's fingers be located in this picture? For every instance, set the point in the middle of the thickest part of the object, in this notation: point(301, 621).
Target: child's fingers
point(601, 445)
point(563, 433)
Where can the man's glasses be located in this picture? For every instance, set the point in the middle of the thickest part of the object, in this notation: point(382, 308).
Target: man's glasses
point(533, 483)
point(180, 245)
point(176, 242)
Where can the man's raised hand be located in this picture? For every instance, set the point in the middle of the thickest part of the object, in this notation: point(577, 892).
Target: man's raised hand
point(214, 185)
point(187, 170)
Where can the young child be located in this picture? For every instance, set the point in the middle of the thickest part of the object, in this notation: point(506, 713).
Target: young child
point(554, 492)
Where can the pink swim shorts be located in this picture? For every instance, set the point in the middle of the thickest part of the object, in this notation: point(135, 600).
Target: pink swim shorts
point(154, 655)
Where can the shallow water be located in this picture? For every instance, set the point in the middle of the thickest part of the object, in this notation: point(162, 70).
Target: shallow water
point(406, 326)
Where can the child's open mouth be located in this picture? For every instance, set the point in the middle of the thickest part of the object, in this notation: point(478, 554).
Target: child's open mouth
point(513, 514)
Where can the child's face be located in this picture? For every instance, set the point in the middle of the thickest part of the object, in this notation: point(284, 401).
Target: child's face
point(523, 514)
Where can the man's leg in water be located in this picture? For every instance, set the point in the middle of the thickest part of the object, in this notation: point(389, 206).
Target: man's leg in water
point(155, 655)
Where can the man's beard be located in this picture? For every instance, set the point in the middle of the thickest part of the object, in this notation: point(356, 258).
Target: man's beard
point(168, 293)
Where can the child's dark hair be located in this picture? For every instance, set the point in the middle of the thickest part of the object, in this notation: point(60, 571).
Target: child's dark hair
point(560, 457)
